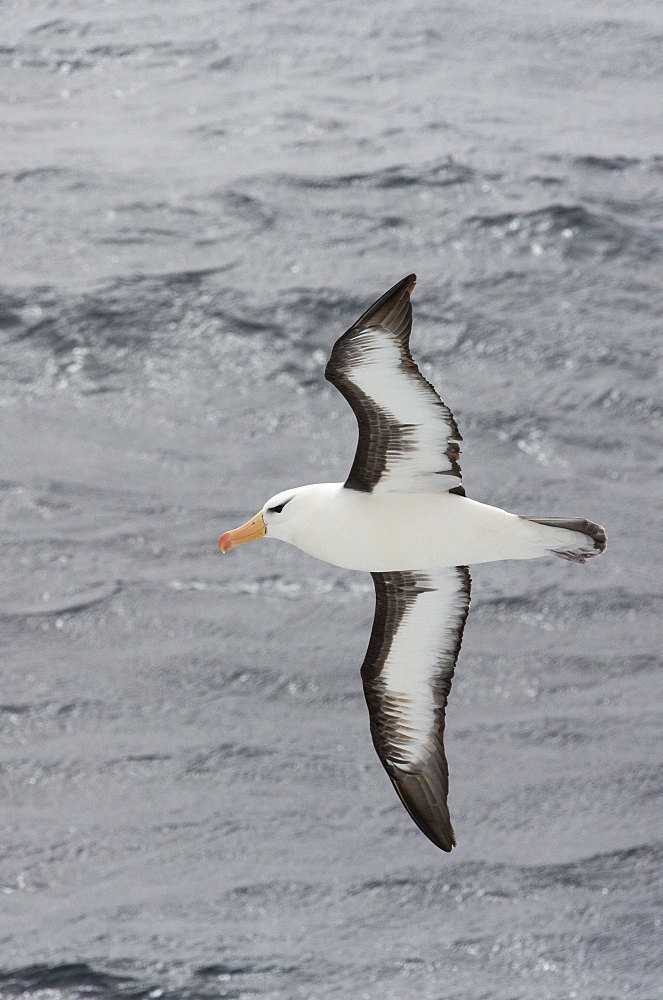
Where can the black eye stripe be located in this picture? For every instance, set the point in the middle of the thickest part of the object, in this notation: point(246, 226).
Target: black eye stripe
point(279, 508)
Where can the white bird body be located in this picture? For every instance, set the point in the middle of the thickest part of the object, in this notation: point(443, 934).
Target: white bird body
point(403, 516)
point(384, 532)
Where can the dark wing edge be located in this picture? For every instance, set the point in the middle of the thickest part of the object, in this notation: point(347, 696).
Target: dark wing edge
point(381, 436)
point(422, 788)
point(392, 310)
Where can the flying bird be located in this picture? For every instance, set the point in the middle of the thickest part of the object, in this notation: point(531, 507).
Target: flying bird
point(402, 515)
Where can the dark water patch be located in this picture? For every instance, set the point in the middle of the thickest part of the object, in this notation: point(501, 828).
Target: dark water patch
point(249, 207)
point(251, 322)
point(542, 731)
point(491, 281)
point(511, 602)
point(104, 339)
point(77, 980)
point(57, 709)
point(612, 870)
point(264, 893)
point(139, 207)
point(223, 969)
point(582, 673)
point(73, 180)
point(649, 782)
point(61, 60)
point(577, 604)
point(295, 326)
point(309, 315)
point(560, 732)
point(207, 224)
point(77, 976)
point(62, 605)
point(207, 674)
point(71, 64)
point(609, 164)
point(93, 321)
point(627, 404)
point(62, 774)
point(143, 235)
point(77, 500)
point(442, 174)
point(187, 279)
point(146, 50)
point(214, 761)
point(119, 50)
point(10, 312)
point(23, 722)
point(450, 888)
point(141, 758)
point(146, 766)
point(339, 591)
point(546, 180)
point(218, 65)
point(61, 26)
point(391, 222)
point(616, 666)
point(209, 131)
point(575, 231)
point(257, 977)
point(249, 680)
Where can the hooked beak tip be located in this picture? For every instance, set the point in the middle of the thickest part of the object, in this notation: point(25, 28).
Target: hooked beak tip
point(255, 528)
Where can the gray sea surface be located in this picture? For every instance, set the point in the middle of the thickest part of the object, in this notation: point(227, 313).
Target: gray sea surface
point(196, 199)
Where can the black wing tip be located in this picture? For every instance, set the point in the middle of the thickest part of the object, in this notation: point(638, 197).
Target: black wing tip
point(428, 808)
point(392, 309)
point(385, 303)
point(411, 280)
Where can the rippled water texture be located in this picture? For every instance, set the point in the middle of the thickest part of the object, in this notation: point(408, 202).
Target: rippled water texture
point(195, 201)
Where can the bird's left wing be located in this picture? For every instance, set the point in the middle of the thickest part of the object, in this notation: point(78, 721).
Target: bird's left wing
point(408, 438)
point(407, 672)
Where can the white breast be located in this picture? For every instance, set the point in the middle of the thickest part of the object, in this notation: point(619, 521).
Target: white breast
point(395, 532)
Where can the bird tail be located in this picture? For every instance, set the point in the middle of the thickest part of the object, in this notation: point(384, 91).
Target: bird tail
point(590, 539)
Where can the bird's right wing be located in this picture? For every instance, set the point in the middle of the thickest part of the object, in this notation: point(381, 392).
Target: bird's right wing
point(407, 672)
point(408, 438)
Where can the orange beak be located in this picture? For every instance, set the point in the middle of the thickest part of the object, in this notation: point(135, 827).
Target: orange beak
point(255, 528)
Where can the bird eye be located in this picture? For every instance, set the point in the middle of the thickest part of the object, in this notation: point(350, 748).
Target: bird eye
point(278, 508)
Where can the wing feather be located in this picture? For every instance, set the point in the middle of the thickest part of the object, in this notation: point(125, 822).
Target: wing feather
point(408, 438)
point(407, 673)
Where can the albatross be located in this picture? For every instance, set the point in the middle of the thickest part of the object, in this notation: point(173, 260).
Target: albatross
point(402, 515)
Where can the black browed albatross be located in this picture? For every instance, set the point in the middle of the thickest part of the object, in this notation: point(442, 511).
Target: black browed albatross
point(403, 516)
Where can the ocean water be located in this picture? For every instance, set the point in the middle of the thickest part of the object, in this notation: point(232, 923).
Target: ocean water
point(195, 201)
